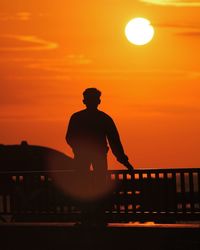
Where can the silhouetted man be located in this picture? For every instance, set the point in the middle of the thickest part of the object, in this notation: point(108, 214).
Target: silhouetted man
point(88, 133)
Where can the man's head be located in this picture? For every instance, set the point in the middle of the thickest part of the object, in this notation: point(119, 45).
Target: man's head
point(91, 98)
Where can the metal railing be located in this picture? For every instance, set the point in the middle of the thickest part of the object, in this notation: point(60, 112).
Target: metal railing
point(168, 195)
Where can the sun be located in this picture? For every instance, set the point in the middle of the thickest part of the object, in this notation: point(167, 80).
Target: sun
point(139, 31)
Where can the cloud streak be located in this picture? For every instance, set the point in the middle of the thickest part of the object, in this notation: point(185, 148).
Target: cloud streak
point(175, 3)
point(189, 33)
point(190, 30)
point(167, 109)
point(19, 16)
point(65, 64)
point(29, 43)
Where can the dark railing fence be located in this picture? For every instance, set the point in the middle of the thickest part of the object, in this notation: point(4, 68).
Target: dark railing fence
point(160, 195)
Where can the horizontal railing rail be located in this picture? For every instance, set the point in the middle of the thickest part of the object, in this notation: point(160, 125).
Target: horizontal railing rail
point(144, 194)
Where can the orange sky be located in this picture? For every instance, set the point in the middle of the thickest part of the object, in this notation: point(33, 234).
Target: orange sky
point(52, 50)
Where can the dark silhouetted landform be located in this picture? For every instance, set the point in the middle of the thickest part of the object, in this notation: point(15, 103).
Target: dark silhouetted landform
point(25, 157)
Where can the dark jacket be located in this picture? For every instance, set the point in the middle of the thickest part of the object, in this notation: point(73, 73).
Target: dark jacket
point(89, 131)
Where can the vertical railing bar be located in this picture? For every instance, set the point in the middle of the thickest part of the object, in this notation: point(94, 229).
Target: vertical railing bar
point(133, 192)
point(125, 194)
point(191, 191)
point(165, 189)
point(46, 202)
point(110, 204)
point(17, 201)
point(12, 198)
point(148, 181)
point(157, 180)
point(4, 204)
point(199, 190)
point(183, 191)
point(174, 176)
point(141, 192)
point(118, 193)
point(113, 206)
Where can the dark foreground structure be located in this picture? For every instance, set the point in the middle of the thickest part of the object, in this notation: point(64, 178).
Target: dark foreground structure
point(37, 213)
point(124, 236)
point(44, 192)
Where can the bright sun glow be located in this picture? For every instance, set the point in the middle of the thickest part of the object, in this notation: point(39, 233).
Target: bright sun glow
point(139, 31)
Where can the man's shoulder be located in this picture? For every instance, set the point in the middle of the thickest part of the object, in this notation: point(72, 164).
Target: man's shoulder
point(105, 115)
point(78, 114)
point(83, 113)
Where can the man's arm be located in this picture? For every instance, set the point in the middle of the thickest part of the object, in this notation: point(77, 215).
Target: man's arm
point(116, 145)
point(70, 132)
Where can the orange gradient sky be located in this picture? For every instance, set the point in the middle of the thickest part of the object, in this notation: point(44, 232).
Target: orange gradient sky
point(52, 50)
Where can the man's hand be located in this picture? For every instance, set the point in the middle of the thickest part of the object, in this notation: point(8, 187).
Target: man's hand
point(129, 166)
point(124, 160)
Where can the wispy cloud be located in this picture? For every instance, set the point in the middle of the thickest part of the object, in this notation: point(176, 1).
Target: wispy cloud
point(19, 16)
point(23, 16)
point(64, 64)
point(181, 25)
point(166, 109)
point(60, 70)
point(53, 68)
point(189, 33)
point(181, 29)
point(176, 3)
point(28, 43)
